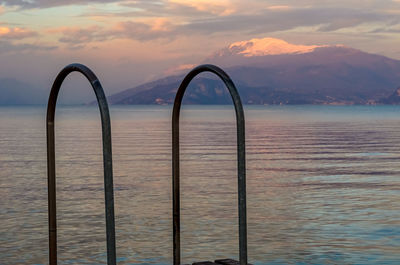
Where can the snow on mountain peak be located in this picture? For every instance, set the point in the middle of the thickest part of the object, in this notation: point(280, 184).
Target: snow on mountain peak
point(269, 46)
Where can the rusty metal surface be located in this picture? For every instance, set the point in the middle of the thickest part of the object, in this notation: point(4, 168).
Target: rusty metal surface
point(241, 160)
point(204, 263)
point(107, 160)
point(227, 262)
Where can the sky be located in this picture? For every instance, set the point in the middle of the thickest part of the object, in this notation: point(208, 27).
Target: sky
point(127, 43)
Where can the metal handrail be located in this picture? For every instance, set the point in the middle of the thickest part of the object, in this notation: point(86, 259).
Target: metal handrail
point(107, 160)
point(241, 158)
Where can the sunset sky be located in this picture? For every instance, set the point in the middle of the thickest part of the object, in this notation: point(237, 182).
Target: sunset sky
point(130, 42)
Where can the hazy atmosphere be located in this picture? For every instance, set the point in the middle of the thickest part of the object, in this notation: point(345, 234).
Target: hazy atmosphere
point(302, 168)
point(128, 43)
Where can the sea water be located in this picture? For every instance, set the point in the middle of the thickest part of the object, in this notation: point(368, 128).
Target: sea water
point(323, 184)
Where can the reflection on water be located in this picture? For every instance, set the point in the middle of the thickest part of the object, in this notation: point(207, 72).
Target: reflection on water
point(323, 185)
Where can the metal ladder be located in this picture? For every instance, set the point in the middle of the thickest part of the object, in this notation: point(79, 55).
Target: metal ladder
point(107, 160)
point(241, 162)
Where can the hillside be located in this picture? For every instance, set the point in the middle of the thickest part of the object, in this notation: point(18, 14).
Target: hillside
point(272, 71)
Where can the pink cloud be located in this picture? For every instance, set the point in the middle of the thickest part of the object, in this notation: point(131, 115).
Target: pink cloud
point(179, 69)
point(282, 7)
point(156, 28)
point(161, 24)
point(152, 29)
point(222, 7)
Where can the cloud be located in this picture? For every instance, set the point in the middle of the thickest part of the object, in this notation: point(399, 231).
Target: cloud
point(9, 47)
point(154, 29)
point(158, 7)
point(278, 7)
point(267, 21)
point(16, 33)
point(175, 32)
point(76, 35)
point(222, 7)
point(251, 16)
point(177, 9)
point(50, 3)
point(263, 22)
point(13, 40)
point(351, 18)
point(385, 30)
point(159, 28)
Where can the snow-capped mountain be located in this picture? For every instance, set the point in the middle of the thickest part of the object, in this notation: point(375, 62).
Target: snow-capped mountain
point(273, 71)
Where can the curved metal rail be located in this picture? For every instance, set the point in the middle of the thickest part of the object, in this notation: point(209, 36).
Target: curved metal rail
point(240, 158)
point(107, 160)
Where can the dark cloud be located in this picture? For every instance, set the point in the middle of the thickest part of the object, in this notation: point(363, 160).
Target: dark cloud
point(385, 30)
point(267, 21)
point(128, 8)
point(151, 9)
point(50, 3)
point(9, 47)
point(327, 16)
point(83, 35)
point(123, 30)
point(351, 18)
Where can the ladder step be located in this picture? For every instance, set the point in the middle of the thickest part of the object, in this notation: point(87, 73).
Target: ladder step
point(228, 262)
point(218, 262)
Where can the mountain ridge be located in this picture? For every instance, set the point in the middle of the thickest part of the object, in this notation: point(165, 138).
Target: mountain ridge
point(296, 74)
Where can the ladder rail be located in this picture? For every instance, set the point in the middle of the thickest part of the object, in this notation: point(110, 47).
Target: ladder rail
point(241, 158)
point(107, 161)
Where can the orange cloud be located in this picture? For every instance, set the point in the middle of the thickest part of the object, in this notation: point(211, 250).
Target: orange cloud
point(179, 69)
point(16, 33)
point(278, 7)
point(217, 7)
point(4, 31)
point(1, 10)
point(161, 24)
point(152, 29)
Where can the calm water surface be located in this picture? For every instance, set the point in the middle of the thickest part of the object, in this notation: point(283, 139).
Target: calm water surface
point(323, 185)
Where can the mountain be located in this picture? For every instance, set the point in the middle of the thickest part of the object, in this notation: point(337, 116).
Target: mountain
point(273, 71)
point(14, 92)
point(393, 99)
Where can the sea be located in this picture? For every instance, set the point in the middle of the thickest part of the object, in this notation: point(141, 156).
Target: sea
point(323, 184)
